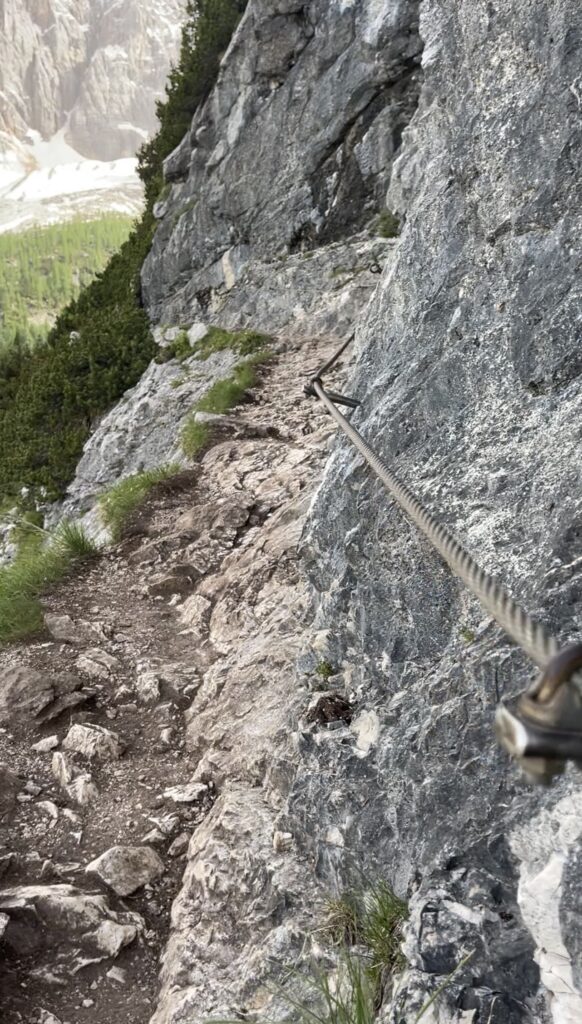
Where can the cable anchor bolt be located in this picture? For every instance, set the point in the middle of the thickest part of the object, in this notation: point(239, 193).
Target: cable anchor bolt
point(310, 391)
point(542, 728)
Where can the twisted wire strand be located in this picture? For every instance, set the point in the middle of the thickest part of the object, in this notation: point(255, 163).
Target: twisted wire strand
point(517, 623)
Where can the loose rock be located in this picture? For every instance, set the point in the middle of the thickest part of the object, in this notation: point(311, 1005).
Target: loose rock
point(126, 868)
point(93, 741)
point(46, 745)
point(187, 794)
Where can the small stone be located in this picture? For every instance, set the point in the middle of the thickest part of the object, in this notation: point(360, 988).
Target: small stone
point(32, 788)
point(329, 706)
point(62, 768)
point(117, 974)
point(154, 836)
point(96, 663)
point(180, 845)
point(48, 1018)
point(181, 580)
point(148, 687)
point(166, 737)
point(93, 741)
point(71, 815)
point(62, 627)
point(282, 841)
point(82, 790)
point(167, 824)
point(87, 1003)
point(127, 868)
point(46, 745)
point(187, 794)
point(49, 808)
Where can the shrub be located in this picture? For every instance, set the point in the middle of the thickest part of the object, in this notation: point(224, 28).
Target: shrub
point(388, 224)
point(74, 542)
point(118, 504)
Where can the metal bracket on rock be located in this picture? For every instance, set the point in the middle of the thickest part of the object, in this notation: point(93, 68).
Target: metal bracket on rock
point(542, 728)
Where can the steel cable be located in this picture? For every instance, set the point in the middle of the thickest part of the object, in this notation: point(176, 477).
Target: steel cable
point(517, 623)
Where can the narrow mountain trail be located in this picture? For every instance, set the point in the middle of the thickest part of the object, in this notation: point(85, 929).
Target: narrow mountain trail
point(161, 688)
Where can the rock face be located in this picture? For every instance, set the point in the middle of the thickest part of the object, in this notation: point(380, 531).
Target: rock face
point(337, 686)
point(469, 371)
point(300, 297)
point(292, 149)
point(468, 368)
point(93, 70)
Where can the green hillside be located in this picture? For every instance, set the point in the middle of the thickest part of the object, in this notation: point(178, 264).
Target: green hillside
point(42, 269)
point(101, 343)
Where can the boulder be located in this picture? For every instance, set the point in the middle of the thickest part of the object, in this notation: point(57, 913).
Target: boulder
point(93, 741)
point(126, 868)
point(63, 918)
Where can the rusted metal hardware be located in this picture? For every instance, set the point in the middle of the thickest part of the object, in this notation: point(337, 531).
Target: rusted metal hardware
point(542, 728)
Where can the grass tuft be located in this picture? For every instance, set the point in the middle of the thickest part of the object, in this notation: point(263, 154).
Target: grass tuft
point(74, 542)
point(118, 505)
point(34, 570)
point(217, 340)
point(195, 436)
point(347, 996)
point(179, 349)
point(467, 635)
point(383, 915)
point(325, 670)
point(388, 224)
point(222, 396)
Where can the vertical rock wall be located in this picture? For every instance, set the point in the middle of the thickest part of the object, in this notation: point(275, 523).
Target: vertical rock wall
point(469, 372)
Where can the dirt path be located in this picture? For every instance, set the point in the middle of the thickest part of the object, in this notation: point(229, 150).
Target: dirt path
point(135, 657)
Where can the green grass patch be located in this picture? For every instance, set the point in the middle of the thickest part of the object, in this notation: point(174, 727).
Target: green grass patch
point(467, 635)
point(179, 349)
point(217, 339)
point(222, 396)
point(324, 670)
point(372, 918)
point(195, 436)
point(388, 225)
point(118, 504)
point(35, 569)
point(225, 394)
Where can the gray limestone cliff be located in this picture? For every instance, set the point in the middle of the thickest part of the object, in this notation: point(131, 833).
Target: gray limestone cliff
point(89, 68)
point(464, 118)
